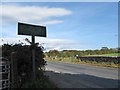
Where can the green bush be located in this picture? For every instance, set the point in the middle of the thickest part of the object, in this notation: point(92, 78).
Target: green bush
point(24, 60)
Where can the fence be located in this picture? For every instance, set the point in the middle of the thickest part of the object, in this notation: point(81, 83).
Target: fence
point(4, 74)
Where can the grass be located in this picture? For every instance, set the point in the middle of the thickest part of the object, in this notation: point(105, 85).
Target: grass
point(110, 54)
point(78, 61)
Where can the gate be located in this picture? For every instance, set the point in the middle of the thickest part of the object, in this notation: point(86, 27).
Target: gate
point(4, 73)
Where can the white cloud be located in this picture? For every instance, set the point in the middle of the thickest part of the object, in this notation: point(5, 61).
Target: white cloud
point(54, 22)
point(13, 13)
point(57, 44)
point(49, 44)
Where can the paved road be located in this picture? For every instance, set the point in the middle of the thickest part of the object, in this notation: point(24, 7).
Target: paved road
point(81, 76)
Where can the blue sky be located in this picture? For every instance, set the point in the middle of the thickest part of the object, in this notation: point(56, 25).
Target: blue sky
point(70, 25)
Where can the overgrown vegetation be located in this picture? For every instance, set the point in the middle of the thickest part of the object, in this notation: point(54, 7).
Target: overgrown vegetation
point(24, 65)
point(72, 53)
point(78, 61)
point(69, 56)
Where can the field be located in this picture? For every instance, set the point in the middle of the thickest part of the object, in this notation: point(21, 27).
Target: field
point(110, 54)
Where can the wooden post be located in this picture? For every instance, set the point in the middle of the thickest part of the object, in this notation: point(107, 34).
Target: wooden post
point(14, 73)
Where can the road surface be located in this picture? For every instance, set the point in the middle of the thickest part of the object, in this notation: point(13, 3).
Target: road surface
point(81, 76)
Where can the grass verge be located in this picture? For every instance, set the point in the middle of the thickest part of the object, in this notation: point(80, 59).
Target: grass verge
point(78, 61)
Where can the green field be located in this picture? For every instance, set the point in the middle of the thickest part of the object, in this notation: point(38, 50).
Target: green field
point(110, 54)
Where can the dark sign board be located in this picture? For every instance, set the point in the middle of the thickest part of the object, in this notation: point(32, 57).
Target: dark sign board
point(32, 30)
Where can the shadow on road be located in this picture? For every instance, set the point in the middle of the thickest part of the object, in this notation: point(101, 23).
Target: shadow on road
point(66, 80)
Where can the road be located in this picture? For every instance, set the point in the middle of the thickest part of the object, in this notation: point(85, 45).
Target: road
point(81, 76)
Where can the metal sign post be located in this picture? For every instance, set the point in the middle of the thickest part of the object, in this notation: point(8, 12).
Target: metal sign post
point(33, 55)
point(32, 30)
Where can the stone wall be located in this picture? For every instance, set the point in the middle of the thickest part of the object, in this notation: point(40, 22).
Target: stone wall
point(115, 60)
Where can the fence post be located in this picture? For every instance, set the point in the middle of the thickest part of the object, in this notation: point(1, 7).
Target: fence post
point(14, 73)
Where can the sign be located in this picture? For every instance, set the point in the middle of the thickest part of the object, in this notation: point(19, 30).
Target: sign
point(32, 30)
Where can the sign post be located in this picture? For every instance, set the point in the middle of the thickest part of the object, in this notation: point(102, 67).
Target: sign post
point(33, 56)
point(32, 30)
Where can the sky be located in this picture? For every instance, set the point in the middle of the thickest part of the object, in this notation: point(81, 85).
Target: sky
point(70, 25)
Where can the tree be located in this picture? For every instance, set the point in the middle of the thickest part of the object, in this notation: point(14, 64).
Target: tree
point(53, 52)
point(104, 48)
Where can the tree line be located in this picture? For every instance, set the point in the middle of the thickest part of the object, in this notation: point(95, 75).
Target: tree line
point(72, 53)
